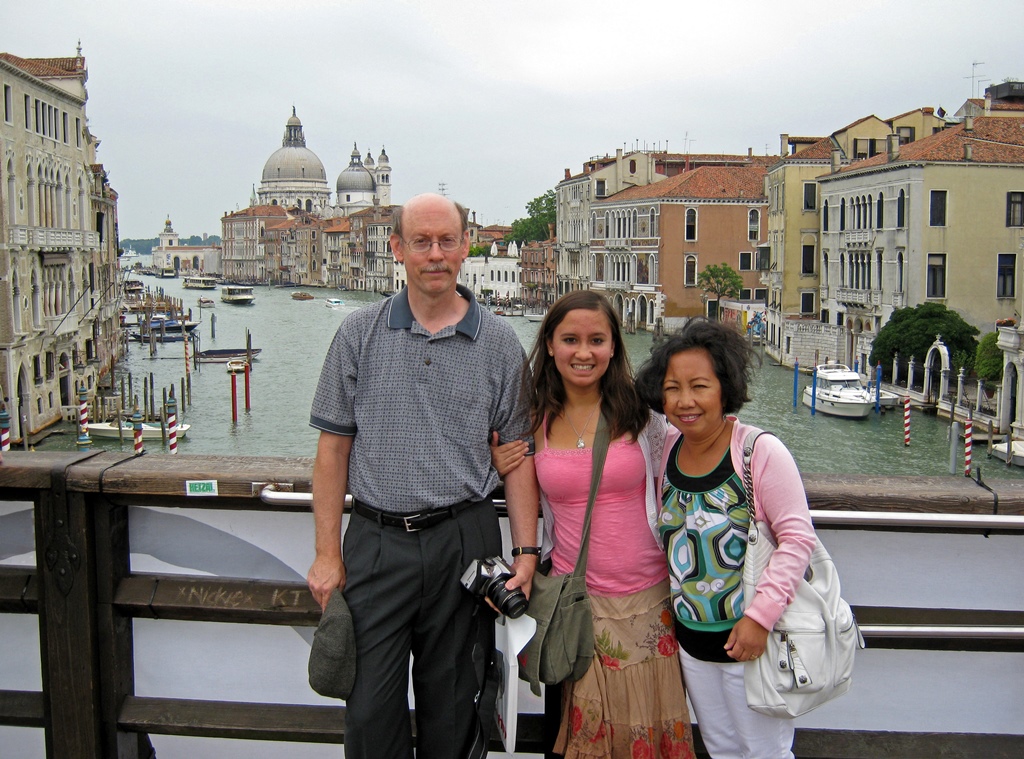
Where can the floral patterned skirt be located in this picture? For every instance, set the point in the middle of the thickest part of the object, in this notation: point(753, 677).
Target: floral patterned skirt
point(631, 701)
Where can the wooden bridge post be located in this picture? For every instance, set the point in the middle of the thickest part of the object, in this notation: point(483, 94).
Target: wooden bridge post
point(65, 551)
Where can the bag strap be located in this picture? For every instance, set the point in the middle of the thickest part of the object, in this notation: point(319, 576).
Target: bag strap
point(600, 453)
point(748, 478)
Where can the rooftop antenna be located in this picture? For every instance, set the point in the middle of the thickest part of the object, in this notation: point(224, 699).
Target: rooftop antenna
point(974, 77)
point(442, 188)
point(686, 142)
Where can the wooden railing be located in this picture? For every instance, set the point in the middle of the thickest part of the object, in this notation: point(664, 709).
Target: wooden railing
point(86, 599)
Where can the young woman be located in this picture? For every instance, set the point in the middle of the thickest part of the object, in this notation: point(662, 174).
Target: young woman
point(631, 702)
point(698, 377)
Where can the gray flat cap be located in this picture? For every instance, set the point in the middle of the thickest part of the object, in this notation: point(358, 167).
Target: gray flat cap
point(332, 658)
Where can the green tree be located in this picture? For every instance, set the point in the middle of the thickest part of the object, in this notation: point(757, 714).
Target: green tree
point(479, 250)
point(540, 213)
point(988, 361)
point(911, 331)
point(720, 281)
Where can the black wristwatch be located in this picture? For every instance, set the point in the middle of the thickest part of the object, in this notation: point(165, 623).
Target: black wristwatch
point(529, 550)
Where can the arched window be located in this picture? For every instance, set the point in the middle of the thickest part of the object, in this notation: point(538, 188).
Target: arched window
point(842, 270)
point(901, 210)
point(632, 166)
point(824, 269)
point(899, 272)
point(880, 213)
point(842, 215)
point(879, 257)
point(691, 224)
point(824, 216)
point(654, 224)
point(753, 224)
point(690, 274)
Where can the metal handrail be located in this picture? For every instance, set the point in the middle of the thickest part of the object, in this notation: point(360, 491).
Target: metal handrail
point(821, 517)
point(1003, 632)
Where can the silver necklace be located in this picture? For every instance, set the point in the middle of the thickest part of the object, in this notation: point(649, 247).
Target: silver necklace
point(580, 443)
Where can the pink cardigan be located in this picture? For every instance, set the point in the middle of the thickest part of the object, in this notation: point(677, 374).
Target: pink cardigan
point(780, 500)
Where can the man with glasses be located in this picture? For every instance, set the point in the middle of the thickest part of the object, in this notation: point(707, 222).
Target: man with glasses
point(409, 393)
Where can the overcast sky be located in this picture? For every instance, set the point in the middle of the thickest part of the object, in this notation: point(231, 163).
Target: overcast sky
point(493, 99)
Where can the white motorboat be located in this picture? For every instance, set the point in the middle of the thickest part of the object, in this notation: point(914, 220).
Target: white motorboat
point(534, 317)
point(238, 295)
point(839, 392)
point(1016, 455)
point(334, 303)
point(150, 431)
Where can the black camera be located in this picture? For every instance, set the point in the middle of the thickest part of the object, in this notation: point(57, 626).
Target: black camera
point(487, 578)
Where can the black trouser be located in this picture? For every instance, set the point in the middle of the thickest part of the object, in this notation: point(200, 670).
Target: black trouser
point(405, 596)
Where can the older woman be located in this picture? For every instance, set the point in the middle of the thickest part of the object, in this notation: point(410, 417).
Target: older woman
point(698, 378)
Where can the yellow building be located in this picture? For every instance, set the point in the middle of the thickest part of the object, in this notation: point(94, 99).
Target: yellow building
point(797, 327)
point(59, 326)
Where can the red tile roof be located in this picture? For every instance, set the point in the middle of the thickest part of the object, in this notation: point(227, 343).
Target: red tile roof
point(705, 183)
point(339, 224)
point(994, 139)
point(45, 68)
point(268, 210)
point(820, 150)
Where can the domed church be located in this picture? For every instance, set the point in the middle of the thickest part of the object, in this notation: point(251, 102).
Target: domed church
point(294, 177)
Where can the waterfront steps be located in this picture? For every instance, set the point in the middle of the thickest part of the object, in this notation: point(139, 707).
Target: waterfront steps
point(97, 611)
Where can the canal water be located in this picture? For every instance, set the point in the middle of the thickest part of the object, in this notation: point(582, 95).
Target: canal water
point(294, 336)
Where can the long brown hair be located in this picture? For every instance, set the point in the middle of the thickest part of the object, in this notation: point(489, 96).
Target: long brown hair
point(622, 408)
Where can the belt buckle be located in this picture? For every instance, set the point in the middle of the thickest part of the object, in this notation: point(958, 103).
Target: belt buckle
point(409, 526)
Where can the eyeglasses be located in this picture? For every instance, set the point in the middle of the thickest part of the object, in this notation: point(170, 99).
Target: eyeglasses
point(448, 244)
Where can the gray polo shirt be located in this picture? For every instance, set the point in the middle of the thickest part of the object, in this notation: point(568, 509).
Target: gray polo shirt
point(421, 406)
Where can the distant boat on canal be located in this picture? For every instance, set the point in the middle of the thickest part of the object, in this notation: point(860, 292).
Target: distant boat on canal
point(237, 295)
point(108, 430)
point(223, 355)
point(199, 282)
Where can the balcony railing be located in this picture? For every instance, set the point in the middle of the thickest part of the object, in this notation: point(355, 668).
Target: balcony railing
point(891, 538)
point(861, 297)
point(49, 238)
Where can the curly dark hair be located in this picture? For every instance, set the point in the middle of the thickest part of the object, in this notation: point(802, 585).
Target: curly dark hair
point(731, 355)
point(622, 408)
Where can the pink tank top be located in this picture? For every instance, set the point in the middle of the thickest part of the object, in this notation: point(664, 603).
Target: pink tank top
point(624, 555)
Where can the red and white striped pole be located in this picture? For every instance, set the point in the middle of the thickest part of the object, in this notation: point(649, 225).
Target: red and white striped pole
point(172, 423)
point(5, 428)
point(137, 424)
point(906, 420)
point(968, 435)
point(83, 419)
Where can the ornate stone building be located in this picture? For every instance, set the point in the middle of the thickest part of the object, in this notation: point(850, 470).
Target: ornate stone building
point(58, 244)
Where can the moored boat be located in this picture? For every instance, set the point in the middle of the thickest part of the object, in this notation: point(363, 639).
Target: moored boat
point(301, 295)
point(223, 355)
point(237, 295)
point(205, 302)
point(534, 317)
point(1016, 452)
point(236, 365)
point(150, 431)
point(839, 392)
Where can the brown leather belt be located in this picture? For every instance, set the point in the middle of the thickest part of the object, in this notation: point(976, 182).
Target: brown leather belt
point(411, 522)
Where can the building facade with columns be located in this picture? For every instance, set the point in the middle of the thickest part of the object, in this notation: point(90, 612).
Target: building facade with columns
point(59, 326)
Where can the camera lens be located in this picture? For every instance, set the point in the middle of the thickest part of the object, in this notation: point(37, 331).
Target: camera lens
point(512, 603)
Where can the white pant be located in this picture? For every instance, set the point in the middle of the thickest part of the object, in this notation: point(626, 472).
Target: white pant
point(731, 730)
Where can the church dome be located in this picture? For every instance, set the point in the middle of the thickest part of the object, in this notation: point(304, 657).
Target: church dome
point(356, 177)
point(294, 163)
point(293, 160)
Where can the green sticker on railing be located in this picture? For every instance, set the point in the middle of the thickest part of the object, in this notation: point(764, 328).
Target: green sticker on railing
point(201, 487)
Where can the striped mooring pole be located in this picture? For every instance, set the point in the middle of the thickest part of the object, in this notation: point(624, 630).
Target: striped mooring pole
point(968, 435)
point(172, 423)
point(83, 419)
point(5, 428)
point(906, 420)
point(137, 424)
